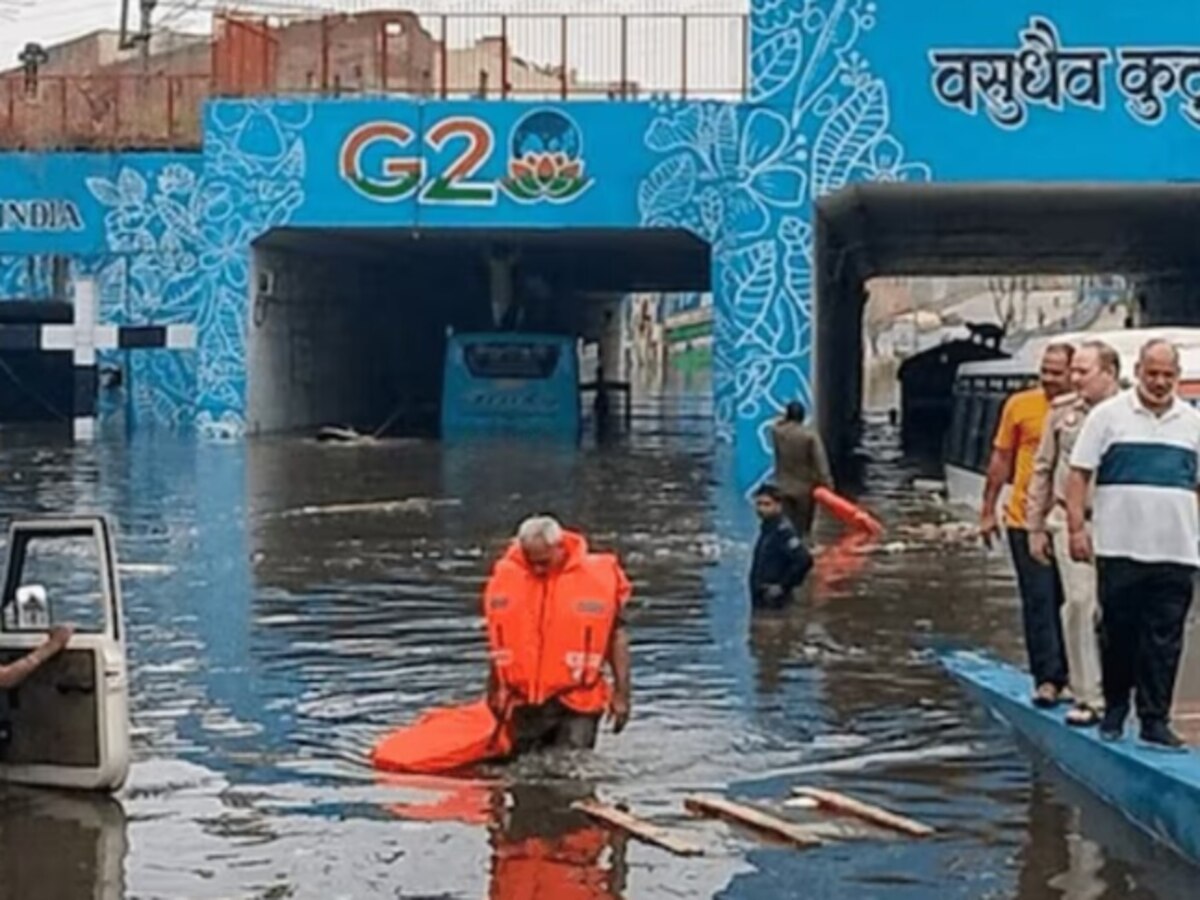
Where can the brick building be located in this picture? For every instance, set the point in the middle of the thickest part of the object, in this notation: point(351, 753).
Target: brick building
point(90, 92)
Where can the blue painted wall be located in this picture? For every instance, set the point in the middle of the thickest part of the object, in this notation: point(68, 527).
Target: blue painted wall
point(844, 91)
point(118, 233)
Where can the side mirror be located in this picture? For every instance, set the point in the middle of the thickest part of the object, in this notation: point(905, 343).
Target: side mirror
point(33, 608)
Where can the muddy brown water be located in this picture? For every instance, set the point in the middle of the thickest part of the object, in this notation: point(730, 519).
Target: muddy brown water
point(288, 601)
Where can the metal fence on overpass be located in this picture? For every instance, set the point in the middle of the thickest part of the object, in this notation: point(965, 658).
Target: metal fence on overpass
point(155, 101)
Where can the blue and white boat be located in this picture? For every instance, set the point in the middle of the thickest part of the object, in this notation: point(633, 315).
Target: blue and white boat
point(1157, 790)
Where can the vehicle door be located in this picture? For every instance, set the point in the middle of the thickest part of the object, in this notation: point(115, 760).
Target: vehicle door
point(67, 724)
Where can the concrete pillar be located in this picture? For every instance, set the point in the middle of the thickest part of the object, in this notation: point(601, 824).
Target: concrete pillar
point(837, 376)
point(500, 265)
point(611, 355)
point(1168, 299)
point(597, 318)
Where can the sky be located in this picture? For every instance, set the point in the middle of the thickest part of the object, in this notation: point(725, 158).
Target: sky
point(51, 21)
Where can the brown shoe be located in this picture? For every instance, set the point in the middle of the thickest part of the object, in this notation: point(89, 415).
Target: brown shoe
point(1046, 696)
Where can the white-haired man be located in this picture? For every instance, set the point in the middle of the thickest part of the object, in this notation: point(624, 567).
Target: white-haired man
point(555, 621)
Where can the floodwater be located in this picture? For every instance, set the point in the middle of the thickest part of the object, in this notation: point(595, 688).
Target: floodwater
point(287, 602)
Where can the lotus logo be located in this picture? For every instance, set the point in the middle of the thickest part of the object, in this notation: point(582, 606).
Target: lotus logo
point(545, 159)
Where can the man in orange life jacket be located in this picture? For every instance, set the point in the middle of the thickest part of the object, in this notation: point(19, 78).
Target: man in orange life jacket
point(555, 619)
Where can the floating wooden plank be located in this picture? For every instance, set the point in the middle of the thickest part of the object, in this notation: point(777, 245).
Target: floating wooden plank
point(639, 828)
point(753, 818)
point(873, 814)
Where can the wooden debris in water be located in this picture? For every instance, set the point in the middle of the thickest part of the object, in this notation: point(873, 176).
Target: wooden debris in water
point(639, 828)
point(755, 819)
point(873, 814)
point(801, 803)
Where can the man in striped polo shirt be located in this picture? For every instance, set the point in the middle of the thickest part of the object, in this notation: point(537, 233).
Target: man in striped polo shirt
point(1143, 446)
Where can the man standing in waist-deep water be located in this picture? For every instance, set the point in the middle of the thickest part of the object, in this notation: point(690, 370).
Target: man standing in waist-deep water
point(555, 616)
point(801, 465)
point(781, 561)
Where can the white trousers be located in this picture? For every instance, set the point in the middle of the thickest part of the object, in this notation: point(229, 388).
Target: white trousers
point(1080, 615)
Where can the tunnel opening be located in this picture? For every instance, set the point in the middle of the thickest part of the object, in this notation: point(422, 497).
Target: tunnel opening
point(350, 327)
point(918, 332)
point(1145, 236)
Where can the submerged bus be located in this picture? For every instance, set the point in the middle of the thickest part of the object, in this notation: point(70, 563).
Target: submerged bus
point(511, 383)
point(980, 389)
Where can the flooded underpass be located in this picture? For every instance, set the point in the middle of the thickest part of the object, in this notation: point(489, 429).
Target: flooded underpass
point(288, 601)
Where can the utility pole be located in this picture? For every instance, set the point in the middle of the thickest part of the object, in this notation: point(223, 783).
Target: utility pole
point(141, 37)
point(147, 8)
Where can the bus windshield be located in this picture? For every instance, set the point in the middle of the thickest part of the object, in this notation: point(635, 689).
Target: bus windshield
point(511, 360)
point(511, 383)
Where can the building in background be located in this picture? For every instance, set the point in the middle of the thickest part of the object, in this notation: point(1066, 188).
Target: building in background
point(669, 342)
point(92, 92)
point(906, 317)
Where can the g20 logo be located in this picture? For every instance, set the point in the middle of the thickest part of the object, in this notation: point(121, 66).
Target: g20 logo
point(384, 161)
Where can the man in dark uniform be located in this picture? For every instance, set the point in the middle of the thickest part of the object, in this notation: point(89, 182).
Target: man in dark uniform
point(781, 561)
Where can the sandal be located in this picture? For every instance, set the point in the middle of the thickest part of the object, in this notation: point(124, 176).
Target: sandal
point(1082, 716)
point(1046, 696)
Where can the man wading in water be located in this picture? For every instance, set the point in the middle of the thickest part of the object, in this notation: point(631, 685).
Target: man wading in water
point(555, 619)
point(801, 465)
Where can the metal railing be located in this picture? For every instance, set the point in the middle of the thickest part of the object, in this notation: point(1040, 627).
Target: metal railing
point(391, 54)
point(590, 55)
point(585, 55)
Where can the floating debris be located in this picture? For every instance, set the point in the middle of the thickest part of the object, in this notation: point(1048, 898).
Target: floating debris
point(145, 569)
point(422, 505)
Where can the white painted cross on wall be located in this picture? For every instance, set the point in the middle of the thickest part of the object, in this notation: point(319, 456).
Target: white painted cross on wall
point(85, 335)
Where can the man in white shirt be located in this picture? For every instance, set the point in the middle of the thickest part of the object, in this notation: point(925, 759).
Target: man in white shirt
point(1143, 447)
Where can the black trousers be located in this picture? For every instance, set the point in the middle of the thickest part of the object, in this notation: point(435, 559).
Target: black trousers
point(800, 511)
point(553, 725)
point(1143, 611)
point(1041, 605)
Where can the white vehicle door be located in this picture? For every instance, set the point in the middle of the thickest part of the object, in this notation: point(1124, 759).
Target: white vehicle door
point(67, 725)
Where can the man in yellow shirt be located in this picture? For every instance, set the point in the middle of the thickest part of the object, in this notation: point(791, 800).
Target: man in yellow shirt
point(1013, 452)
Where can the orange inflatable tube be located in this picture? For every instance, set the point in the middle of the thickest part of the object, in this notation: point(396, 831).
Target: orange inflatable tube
point(847, 513)
point(839, 563)
point(444, 739)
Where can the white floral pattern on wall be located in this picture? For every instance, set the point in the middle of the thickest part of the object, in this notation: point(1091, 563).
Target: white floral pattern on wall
point(181, 243)
point(745, 178)
point(24, 278)
point(178, 236)
point(255, 163)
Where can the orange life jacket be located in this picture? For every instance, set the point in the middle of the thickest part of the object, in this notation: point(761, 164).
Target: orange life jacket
point(549, 636)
